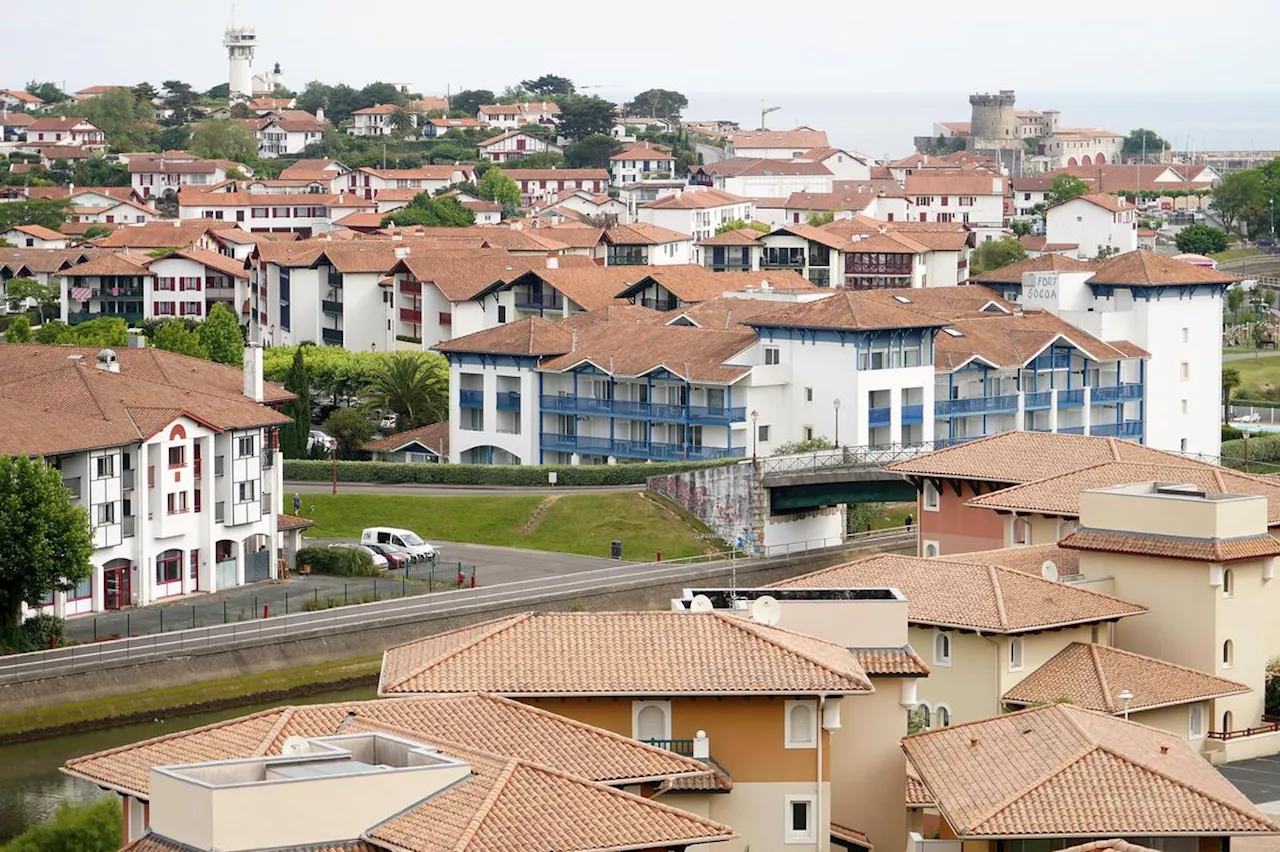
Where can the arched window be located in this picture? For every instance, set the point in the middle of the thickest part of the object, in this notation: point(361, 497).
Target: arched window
point(1015, 654)
point(169, 567)
point(943, 715)
point(1071, 161)
point(1085, 160)
point(1228, 654)
point(652, 721)
point(925, 714)
point(930, 549)
point(1100, 160)
point(942, 648)
point(1227, 720)
point(801, 730)
point(1228, 582)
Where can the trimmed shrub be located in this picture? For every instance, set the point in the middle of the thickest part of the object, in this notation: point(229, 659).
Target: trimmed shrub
point(1231, 433)
point(44, 630)
point(1258, 449)
point(394, 473)
point(338, 561)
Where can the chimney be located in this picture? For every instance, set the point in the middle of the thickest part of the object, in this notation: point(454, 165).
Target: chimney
point(997, 185)
point(319, 113)
point(137, 340)
point(107, 361)
point(402, 252)
point(253, 371)
point(553, 262)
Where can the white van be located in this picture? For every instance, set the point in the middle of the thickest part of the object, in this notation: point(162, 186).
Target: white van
point(403, 539)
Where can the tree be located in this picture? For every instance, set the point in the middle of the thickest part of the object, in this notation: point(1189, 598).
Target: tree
point(431, 213)
point(742, 225)
point(20, 290)
point(45, 541)
point(93, 827)
point(1141, 140)
point(1065, 187)
point(39, 211)
point(381, 93)
point(47, 92)
point(1230, 381)
point(96, 171)
point(293, 437)
point(548, 85)
point(313, 97)
point(350, 427)
point(180, 98)
point(657, 103)
point(1105, 252)
point(469, 101)
point(175, 335)
point(415, 387)
point(403, 121)
point(497, 185)
point(582, 116)
point(120, 115)
point(593, 152)
point(996, 254)
point(540, 160)
point(224, 139)
point(1020, 227)
point(545, 132)
point(1240, 198)
point(1201, 239)
point(221, 337)
point(817, 220)
point(174, 138)
point(19, 331)
point(1235, 299)
point(220, 92)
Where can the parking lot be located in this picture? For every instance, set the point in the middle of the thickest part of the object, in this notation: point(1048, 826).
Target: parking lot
point(1258, 779)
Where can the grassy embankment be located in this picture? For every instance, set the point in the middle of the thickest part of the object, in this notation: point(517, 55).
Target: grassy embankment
point(1236, 254)
point(570, 523)
point(1257, 375)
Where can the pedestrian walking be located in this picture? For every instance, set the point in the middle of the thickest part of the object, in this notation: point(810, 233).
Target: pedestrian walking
point(909, 521)
point(297, 504)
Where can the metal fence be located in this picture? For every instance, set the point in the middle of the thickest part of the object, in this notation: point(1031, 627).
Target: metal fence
point(458, 602)
point(868, 456)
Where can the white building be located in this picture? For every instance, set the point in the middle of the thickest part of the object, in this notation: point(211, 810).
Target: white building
point(286, 132)
point(973, 198)
point(641, 161)
point(544, 184)
point(761, 178)
point(34, 236)
point(1169, 309)
point(572, 205)
point(176, 463)
point(514, 144)
point(1094, 224)
point(511, 116)
point(376, 121)
point(697, 212)
point(66, 132)
point(151, 177)
point(646, 245)
point(304, 214)
point(20, 99)
point(776, 144)
point(240, 42)
point(1082, 146)
point(369, 182)
point(842, 164)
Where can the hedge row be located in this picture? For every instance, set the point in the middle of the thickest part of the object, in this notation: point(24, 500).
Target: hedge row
point(394, 473)
point(338, 561)
point(1261, 449)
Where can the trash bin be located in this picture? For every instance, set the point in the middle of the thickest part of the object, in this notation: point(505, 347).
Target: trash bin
point(615, 550)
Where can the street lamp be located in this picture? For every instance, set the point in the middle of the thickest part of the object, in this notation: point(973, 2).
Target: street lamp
point(755, 431)
point(835, 403)
point(1126, 697)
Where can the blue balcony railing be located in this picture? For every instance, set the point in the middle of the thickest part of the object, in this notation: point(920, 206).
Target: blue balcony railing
point(1070, 430)
point(331, 336)
point(650, 450)
point(632, 410)
point(1116, 393)
point(1038, 401)
point(1071, 398)
point(508, 400)
point(539, 302)
point(878, 416)
point(330, 306)
point(1125, 429)
point(974, 405)
point(912, 414)
point(1058, 361)
point(470, 398)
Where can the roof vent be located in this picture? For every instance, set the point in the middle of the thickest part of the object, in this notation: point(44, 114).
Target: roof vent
point(1164, 749)
point(973, 741)
point(954, 332)
point(107, 361)
point(903, 299)
point(75, 357)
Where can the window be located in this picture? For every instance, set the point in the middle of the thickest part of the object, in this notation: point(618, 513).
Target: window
point(772, 355)
point(1227, 721)
point(1184, 406)
point(930, 549)
point(808, 394)
point(1228, 654)
point(924, 713)
point(106, 514)
point(1182, 444)
point(1186, 335)
point(82, 591)
point(1021, 531)
point(942, 648)
point(931, 497)
point(177, 456)
point(104, 467)
point(1015, 655)
point(800, 820)
point(651, 720)
point(1185, 371)
point(808, 433)
point(1195, 721)
point(176, 503)
point(169, 566)
point(246, 492)
point(762, 433)
point(1228, 582)
point(193, 569)
point(801, 724)
point(943, 716)
point(245, 446)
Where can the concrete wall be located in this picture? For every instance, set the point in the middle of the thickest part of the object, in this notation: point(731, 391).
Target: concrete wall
point(729, 499)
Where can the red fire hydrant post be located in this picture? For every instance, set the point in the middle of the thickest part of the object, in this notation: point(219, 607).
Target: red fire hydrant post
point(461, 578)
point(659, 555)
point(473, 578)
point(266, 610)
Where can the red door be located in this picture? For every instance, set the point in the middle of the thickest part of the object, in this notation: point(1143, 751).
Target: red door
point(115, 584)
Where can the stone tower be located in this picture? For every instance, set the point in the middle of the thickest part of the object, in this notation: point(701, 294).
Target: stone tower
point(240, 43)
point(993, 118)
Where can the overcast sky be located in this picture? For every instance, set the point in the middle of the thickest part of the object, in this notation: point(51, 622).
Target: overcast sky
point(747, 46)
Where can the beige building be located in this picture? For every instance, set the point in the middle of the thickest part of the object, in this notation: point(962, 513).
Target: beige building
point(463, 772)
point(1202, 562)
point(1055, 777)
point(980, 626)
point(1142, 689)
point(759, 702)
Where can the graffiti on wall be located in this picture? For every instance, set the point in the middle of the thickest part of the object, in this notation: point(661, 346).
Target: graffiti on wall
point(719, 498)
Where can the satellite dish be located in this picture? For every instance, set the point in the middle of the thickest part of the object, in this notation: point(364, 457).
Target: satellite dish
point(294, 746)
point(766, 610)
point(1049, 570)
point(701, 603)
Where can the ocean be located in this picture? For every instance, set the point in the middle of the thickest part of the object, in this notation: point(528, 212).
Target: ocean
point(884, 124)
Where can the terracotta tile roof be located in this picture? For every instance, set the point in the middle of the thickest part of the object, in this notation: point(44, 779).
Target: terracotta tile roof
point(435, 437)
point(57, 122)
point(293, 522)
point(155, 843)
point(918, 795)
point(1148, 269)
point(111, 264)
point(641, 234)
point(849, 310)
point(1019, 456)
point(16, 119)
point(971, 595)
point(1174, 547)
point(483, 721)
point(886, 243)
point(800, 138)
point(717, 782)
point(1012, 274)
point(576, 236)
point(1093, 676)
point(722, 312)
point(591, 287)
point(153, 235)
point(22, 95)
point(622, 653)
point(267, 199)
point(691, 353)
point(509, 804)
point(1060, 494)
point(831, 202)
point(734, 237)
point(692, 284)
point(578, 175)
point(942, 182)
point(1015, 340)
point(959, 159)
point(642, 151)
point(699, 199)
point(211, 259)
point(464, 275)
point(1106, 202)
point(1029, 559)
point(161, 165)
point(65, 152)
point(1108, 846)
point(844, 834)
point(818, 235)
point(890, 662)
point(45, 261)
point(759, 166)
point(1022, 774)
point(40, 232)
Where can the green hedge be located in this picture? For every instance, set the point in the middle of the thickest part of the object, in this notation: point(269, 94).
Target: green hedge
point(393, 473)
point(1254, 449)
point(339, 561)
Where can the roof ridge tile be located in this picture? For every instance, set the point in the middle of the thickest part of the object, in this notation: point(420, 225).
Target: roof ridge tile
point(997, 592)
point(753, 629)
point(1101, 674)
point(265, 746)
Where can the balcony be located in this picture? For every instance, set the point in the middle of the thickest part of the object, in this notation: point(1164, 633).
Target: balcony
point(411, 288)
point(130, 476)
point(539, 302)
point(647, 450)
point(329, 306)
point(668, 304)
point(683, 747)
point(226, 294)
point(1124, 429)
point(1039, 401)
point(664, 412)
point(1073, 398)
point(912, 414)
point(130, 524)
point(975, 405)
point(1117, 393)
point(130, 317)
point(331, 336)
point(627, 259)
point(471, 398)
point(411, 315)
point(508, 400)
point(879, 416)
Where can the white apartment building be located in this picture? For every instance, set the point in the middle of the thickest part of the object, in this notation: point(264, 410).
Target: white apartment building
point(1094, 224)
point(65, 131)
point(367, 183)
point(1166, 308)
point(176, 464)
point(150, 177)
point(514, 144)
point(776, 144)
point(972, 198)
point(510, 116)
point(304, 214)
point(545, 184)
point(287, 132)
point(184, 283)
point(646, 245)
point(697, 212)
point(376, 121)
point(115, 212)
point(842, 164)
point(761, 178)
point(641, 161)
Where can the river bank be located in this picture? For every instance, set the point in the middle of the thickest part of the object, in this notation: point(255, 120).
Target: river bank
point(31, 785)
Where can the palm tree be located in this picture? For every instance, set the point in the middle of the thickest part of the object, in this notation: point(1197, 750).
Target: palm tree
point(412, 386)
point(1230, 381)
point(403, 121)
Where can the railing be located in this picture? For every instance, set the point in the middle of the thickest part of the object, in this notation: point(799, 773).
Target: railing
point(224, 293)
point(76, 317)
point(539, 303)
point(683, 747)
point(631, 410)
point(1266, 728)
point(471, 398)
point(509, 400)
point(130, 524)
point(329, 306)
point(1036, 401)
point(129, 477)
point(652, 450)
point(878, 416)
point(627, 260)
point(846, 457)
point(660, 304)
point(975, 405)
point(411, 315)
point(1071, 398)
point(1125, 429)
point(1116, 393)
point(331, 336)
point(912, 414)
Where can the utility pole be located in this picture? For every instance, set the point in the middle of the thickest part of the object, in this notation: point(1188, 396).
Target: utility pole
point(764, 110)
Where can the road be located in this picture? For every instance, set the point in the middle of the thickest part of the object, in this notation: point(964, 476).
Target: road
point(448, 490)
point(709, 153)
point(1247, 356)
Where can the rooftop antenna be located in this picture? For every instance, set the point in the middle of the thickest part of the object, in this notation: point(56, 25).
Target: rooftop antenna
point(764, 110)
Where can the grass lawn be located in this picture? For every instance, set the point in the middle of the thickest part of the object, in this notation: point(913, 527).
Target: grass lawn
point(572, 523)
point(1236, 254)
point(1258, 374)
point(895, 515)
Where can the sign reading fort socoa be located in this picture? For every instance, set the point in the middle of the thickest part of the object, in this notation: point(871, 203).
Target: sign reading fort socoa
point(1045, 288)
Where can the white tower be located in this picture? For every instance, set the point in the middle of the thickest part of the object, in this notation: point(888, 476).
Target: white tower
point(240, 43)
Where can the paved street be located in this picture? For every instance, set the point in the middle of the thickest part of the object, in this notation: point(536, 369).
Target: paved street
point(446, 490)
point(1258, 779)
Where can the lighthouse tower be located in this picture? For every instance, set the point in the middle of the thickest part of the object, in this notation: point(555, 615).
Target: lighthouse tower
point(240, 43)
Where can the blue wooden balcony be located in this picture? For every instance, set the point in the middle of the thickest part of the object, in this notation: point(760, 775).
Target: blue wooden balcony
point(912, 414)
point(1116, 393)
point(508, 401)
point(470, 398)
point(878, 416)
point(1073, 398)
point(1124, 429)
point(1039, 401)
point(975, 405)
point(657, 411)
point(642, 450)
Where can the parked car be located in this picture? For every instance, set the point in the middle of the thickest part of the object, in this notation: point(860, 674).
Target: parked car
point(396, 558)
point(403, 539)
point(388, 421)
point(378, 558)
point(317, 438)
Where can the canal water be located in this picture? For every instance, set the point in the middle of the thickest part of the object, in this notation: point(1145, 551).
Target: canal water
point(31, 785)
